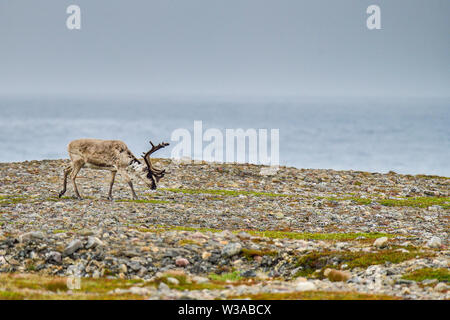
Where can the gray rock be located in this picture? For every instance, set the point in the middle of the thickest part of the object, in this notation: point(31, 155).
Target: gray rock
point(163, 287)
point(93, 242)
point(305, 286)
point(199, 279)
point(231, 249)
point(248, 274)
point(173, 281)
point(73, 247)
point(404, 281)
point(434, 242)
point(441, 287)
point(429, 281)
point(53, 256)
point(34, 235)
point(181, 262)
point(380, 242)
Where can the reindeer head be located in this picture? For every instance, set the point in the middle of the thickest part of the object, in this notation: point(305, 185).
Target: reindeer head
point(151, 172)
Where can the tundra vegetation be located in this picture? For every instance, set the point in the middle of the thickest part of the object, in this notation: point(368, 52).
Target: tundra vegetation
point(221, 231)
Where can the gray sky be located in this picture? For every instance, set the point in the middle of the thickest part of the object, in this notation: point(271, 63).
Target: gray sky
point(229, 47)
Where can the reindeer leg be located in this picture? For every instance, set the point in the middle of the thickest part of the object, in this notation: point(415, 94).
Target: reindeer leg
point(130, 183)
point(76, 168)
point(67, 170)
point(113, 176)
point(135, 197)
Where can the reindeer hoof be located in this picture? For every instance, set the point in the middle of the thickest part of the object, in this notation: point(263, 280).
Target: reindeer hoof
point(60, 194)
point(110, 198)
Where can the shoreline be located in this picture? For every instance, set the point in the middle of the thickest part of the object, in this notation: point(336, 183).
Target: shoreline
point(225, 230)
point(429, 175)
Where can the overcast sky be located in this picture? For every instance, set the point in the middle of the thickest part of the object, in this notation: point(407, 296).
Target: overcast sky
point(229, 47)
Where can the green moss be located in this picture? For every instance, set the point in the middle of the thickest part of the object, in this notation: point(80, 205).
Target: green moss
point(12, 199)
point(224, 192)
point(103, 285)
point(315, 295)
point(41, 287)
point(185, 242)
point(229, 276)
point(441, 274)
point(419, 202)
point(59, 231)
point(11, 295)
point(318, 236)
point(319, 261)
point(143, 201)
point(274, 234)
point(184, 284)
point(423, 176)
point(251, 253)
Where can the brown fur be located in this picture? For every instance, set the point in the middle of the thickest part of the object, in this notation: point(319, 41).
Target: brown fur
point(112, 155)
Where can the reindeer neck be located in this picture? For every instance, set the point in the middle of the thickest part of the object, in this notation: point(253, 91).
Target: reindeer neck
point(136, 166)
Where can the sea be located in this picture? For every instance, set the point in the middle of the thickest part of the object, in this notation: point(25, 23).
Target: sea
point(405, 135)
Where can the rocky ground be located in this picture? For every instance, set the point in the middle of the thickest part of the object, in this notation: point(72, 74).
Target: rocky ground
point(224, 231)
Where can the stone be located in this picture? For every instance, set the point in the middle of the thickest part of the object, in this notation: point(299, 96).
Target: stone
point(181, 262)
point(139, 291)
point(429, 281)
point(198, 279)
point(123, 268)
point(278, 215)
point(441, 287)
point(305, 286)
point(434, 242)
point(380, 242)
point(173, 281)
point(73, 247)
point(93, 242)
point(163, 287)
point(231, 249)
point(337, 275)
point(54, 256)
point(33, 235)
point(406, 290)
point(206, 255)
point(248, 274)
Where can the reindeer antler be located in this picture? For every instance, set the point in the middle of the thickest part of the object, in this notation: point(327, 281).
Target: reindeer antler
point(147, 160)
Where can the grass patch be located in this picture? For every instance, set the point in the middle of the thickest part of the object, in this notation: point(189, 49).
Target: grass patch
point(184, 284)
point(11, 295)
point(36, 287)
point(251, 253)
point(143, 201)
point(222, 192)
point(318, 236)
point(12, 199)
point(274, 234)
point(59, 231)
point(186, 242)
point(424, 176)
point(315, 295)
point(319, 261)
point(441, 274)
point(229, 276)
point(418, 202)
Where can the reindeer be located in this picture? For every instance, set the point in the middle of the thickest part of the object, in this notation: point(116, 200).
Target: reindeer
point(112, 155)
